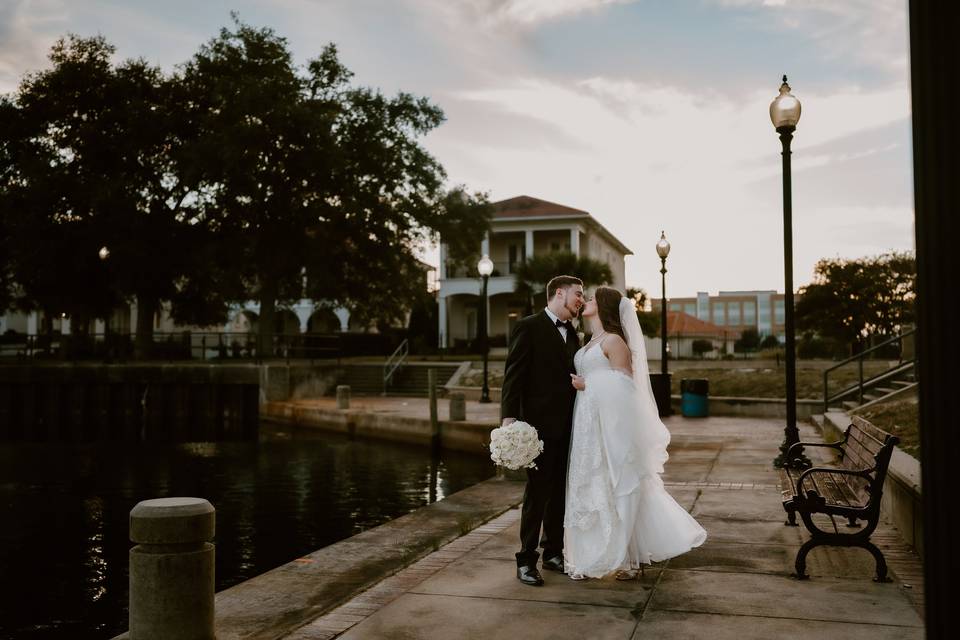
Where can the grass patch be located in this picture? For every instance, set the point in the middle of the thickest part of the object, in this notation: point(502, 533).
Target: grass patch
point(902, 419)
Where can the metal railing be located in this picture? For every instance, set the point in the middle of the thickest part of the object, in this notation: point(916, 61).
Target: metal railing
point(863, 382)
point(499, 269)
point(172, 346)
point(394, 362)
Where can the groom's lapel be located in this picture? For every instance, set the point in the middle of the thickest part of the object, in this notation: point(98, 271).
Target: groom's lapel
point(561, 345)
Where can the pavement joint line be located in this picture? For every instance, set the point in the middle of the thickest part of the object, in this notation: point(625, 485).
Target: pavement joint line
point(771, 617)
point(341, 619)
point(503, 599)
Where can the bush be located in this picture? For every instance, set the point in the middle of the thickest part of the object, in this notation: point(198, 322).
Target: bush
point(770, 342)
point(701, 347)
point(810, 346)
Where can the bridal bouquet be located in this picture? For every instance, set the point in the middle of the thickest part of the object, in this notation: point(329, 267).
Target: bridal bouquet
point(515, 446)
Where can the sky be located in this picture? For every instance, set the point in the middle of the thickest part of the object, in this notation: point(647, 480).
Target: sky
point(650, 114)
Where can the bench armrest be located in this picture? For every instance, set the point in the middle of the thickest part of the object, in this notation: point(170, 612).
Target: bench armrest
point(840, 472)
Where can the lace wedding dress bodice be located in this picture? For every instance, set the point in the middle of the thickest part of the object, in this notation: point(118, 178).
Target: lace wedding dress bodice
point(618, 514)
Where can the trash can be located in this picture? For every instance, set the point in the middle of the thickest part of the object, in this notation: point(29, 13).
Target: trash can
point(693, 397)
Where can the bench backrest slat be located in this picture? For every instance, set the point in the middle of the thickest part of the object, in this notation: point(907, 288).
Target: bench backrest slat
point(867, 448)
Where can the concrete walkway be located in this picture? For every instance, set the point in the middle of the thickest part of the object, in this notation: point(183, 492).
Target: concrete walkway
point(736, 586)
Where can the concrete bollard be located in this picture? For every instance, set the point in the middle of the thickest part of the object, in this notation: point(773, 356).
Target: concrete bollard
point(458, 406)
point(343, 396)
point(172, 569)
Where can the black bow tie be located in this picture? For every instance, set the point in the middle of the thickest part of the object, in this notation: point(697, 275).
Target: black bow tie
point(565, 325)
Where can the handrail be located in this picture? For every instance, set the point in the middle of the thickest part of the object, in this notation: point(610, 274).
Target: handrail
point(390, 367)
point(902, 366)
point(859, 356)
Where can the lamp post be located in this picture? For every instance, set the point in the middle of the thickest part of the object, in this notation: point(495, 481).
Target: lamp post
point(785, 113)
point(663, 250)
point(485, 267)
point(661, 381)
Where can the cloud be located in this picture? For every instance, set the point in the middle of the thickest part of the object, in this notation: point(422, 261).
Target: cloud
point(21, 47)
point(523, 13)
point(873, 33)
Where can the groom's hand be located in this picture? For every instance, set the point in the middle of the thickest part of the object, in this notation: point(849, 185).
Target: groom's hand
point(507, 421)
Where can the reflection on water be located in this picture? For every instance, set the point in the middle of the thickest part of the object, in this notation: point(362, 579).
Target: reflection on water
point(64, 511)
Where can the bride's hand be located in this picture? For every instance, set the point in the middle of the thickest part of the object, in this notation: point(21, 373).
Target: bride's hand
point(578, 382)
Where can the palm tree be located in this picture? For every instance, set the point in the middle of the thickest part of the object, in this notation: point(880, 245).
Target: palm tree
point(534, 273)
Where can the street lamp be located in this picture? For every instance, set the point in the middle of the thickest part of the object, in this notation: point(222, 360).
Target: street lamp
point(662, 387)
point(485, 267)
point(663, 250)
point(785, 113)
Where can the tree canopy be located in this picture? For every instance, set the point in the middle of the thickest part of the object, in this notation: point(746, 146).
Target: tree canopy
point(240, 176)
point(852, 301)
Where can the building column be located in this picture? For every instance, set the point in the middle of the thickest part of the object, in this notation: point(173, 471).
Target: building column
point(442, 321)
point(575, 241)
point(443, 261)
point(303, 309)
point(529, 243)
point(65, 326)
point(485, 244)
point(133, 317)
point(343, 315)
point(33, 321)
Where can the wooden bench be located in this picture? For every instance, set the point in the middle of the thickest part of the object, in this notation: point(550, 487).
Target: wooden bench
point(850, 490)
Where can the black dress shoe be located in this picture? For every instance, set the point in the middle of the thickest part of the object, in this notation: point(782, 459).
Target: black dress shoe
point(553, 564)
point(529, 576)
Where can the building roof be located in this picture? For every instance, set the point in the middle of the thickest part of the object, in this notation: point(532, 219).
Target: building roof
point(522, 208)
point(527, 207)
point(686, 325)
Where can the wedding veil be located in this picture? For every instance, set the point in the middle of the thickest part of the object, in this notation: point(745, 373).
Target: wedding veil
point(653, 433)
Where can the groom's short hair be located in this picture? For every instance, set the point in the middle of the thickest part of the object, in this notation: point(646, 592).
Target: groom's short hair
point(561, 282)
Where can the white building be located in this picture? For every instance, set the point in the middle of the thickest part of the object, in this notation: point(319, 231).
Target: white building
point(521, 227)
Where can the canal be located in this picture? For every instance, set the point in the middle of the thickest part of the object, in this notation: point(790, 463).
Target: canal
point(64, 512)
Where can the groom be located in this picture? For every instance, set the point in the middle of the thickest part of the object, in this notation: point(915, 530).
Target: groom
point(536, 389)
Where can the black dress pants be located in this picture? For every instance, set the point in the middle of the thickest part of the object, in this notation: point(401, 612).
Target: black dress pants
point(543, 504)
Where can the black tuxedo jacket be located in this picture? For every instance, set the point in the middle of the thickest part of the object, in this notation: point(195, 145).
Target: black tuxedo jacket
point(536, 384)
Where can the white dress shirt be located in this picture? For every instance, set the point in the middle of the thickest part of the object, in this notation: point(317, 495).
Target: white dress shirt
point(553, 319)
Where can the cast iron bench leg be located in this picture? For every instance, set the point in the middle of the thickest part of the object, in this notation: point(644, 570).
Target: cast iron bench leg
point(801, 564)
point(881, 561)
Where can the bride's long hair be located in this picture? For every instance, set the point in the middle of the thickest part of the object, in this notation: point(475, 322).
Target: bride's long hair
point(608, 310)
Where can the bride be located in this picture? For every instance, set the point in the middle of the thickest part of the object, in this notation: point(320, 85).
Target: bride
point(618, 514)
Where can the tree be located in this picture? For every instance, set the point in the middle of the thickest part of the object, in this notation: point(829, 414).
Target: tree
point(324, 187)
point(749, 341)
point(854, 301)
point(90, 160)
point(535, 272)
point(649, 320)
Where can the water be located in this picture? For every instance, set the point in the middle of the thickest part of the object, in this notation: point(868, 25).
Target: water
point(64, 512)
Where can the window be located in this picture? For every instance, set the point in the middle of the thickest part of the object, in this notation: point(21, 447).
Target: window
point(733, 312)
point(778, 312)
point(675, 306)
point(750, 312)
point(765, 312)
point(690, 308)
point(718, 315)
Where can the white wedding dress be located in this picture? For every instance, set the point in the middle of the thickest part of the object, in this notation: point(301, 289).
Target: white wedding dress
point(618, 513)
